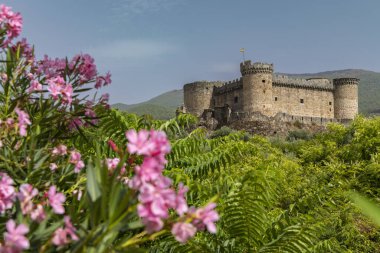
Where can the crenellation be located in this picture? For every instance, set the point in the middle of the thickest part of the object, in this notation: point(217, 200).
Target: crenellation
point(259, 94)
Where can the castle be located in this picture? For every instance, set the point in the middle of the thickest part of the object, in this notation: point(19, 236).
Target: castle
point(260, 94)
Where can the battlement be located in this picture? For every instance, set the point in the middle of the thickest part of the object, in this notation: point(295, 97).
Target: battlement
point(310, 83)
point(247, 67)
point(346, 81)
point(229, 86)
point(200, 84)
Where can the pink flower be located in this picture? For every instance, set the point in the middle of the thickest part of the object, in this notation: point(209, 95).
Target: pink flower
point(75, 158)
point(61, 235)
point(56, 86)
point(75, 123)
point(180, 201)
point(183, 231)
point(56, 199)
point(60, 150)
point(51, 68)
point(38, 214)
point(103, 80)
point(7, 192)
point(23, 121)
point(34, 86)
point(53, 166)
point(14, 237)
point(138, 142)
point(26, 195)
point(67, 92)
point(11, 22)
point(205, 217)
point(112, 163)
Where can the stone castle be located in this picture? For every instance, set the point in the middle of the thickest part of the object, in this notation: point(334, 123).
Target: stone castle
point(262, 95)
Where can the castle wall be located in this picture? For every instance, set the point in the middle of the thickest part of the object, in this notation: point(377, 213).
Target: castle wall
point(346, 98)
point(303, 102)
point(231, 93)
point(198, 96)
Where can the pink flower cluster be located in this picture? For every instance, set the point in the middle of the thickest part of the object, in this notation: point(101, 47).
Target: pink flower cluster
point(56, 200)
point(11, 22)
point(23, 121)
point(75, 158)
point(155, 193)
point(60, 89)
point(7, 192)
point(61, 235)
point(14, 239)
point(85, 67)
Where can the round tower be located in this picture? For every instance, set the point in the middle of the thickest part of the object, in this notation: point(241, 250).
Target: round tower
point(257, 87)
point(198, 96)
point(345, 98)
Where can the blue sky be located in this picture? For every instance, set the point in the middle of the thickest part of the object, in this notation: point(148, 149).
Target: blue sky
point(153, 46)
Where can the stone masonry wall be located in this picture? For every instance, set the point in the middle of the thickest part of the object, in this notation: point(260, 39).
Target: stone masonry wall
point(198, 96)
point(231, 93)
point(303, 102)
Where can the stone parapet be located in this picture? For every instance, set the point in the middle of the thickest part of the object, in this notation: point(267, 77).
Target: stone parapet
point(311, 83)
point(229, 87)
point(247, 68)
point(346, 81)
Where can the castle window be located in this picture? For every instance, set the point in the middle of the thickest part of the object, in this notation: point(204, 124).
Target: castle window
point(330, 103)
point(330, 109)
point(263, 81)
point(275, 98)
point(236, 100)
point(301, 100)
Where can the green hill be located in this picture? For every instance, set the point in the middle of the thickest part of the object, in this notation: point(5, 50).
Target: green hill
point(164, 105)
point(160, 107)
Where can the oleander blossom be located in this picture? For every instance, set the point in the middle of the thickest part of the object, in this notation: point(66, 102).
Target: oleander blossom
point(60, 150)
point(7, 192)
point(25, 195)
point(205, 217)
point(75, 158)
point(58, 88)
point(11, 22)
point(14, 238)
point(56, 200)
point(156, 195)
point(63, 236)
point(23, 121)
point(183, 231)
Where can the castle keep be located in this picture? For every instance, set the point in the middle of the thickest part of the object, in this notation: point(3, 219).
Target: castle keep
point(259, 94)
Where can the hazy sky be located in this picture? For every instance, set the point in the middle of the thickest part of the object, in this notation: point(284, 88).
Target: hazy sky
point(153, 46)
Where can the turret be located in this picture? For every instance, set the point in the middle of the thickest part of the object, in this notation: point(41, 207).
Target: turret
point(345, 98)
point(257, 87)
point(198, 96)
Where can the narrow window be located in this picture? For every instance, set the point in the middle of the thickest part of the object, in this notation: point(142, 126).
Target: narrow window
point(236, 100)
point(330, 109)
point(330, 103)
point(301, 100)
point(263, 81)
point(275, 98)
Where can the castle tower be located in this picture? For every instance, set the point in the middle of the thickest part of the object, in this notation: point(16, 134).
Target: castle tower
point(257, 87)
point(345, 98)
point(198, 96)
